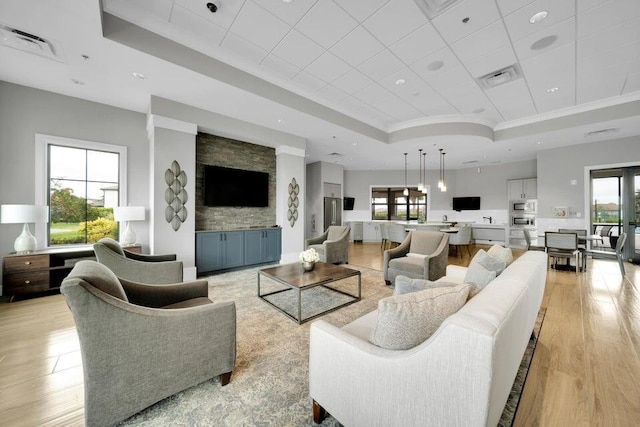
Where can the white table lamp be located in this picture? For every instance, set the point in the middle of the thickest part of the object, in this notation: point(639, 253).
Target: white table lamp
point(128, 214)
point(18, 214)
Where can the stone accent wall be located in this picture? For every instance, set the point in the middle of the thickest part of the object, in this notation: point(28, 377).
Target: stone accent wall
point(219, 151)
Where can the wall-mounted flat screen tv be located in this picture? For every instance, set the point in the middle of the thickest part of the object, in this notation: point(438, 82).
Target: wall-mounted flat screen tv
point(235, 187)
point(466, 203)
point(347, 203)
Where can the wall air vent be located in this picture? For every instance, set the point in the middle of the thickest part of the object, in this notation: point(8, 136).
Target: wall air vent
point(27, 42)
point(601, 132)
point(500, 77)
point(433, 8)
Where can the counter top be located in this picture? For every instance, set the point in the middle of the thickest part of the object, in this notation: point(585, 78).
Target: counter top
point(498, 226)
point(240, 229)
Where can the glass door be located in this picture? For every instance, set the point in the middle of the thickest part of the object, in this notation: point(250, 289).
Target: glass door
point(632, 227)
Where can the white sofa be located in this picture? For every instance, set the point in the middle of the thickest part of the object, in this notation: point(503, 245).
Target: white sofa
point(460, 376)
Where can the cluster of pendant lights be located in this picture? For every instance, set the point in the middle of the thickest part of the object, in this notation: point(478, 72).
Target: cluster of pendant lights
point(422, 184)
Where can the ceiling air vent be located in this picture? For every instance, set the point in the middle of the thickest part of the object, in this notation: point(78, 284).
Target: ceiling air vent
point(336, 155)
point(500, 77)
point(27, 42)
point(433, 8)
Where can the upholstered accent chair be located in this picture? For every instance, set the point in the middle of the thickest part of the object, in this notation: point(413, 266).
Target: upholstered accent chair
point(141, 343)
point(396, 233)
point(156, 269)
point(461, 238)
point(422, 255)
point(332, 245)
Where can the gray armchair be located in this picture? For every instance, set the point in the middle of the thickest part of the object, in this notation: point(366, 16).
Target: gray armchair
point(333, 245)
point(156, 269)
point(422, 255)
point(142, 343)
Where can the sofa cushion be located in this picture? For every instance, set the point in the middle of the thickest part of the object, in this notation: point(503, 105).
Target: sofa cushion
point(408, 264)
point(405, 321)
point(335, 232)
point(489, 262)
point(501, 253)
point(425, 242)
point(412, 255)
point(193, 302)
point(478, 277)
point(407, 285)
point(100, 277)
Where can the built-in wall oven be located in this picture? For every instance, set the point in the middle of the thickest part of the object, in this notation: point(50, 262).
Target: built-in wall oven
point(523, 221)
point(524, 206)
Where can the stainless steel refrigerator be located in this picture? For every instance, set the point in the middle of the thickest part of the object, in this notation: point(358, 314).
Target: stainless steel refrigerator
point(332, 212)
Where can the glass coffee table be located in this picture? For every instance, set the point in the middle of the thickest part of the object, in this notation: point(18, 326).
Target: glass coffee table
point(288, 300)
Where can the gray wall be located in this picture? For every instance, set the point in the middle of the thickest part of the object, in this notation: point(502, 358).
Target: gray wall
point(26, 111)
point(230, 153)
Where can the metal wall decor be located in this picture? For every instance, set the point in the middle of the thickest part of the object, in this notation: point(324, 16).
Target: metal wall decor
point(175, 195)
point(294, 190)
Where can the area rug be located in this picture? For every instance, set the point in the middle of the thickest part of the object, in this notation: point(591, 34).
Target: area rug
point(270, 384)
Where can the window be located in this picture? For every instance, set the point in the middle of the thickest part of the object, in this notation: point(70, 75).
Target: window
point(81, 183)
point(389, 203)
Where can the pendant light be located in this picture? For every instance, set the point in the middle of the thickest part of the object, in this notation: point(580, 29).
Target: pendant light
point(440, 180)
point(424, 163)
point(406, 189)
point(444, 183)
point(420, 182)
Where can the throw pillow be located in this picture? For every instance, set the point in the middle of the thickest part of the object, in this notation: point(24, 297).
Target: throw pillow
point(489, 262)
point(404, 321)
point(406, 285)
point(412, 255)
point(501, 253)
point(478, 277)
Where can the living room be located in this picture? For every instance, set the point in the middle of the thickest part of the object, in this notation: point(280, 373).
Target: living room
point(160, 121)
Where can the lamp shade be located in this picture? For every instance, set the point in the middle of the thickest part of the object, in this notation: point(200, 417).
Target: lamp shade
point(128, 213)
point(21, 214)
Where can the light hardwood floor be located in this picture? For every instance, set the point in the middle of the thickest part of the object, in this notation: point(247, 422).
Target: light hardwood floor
point(585, 371)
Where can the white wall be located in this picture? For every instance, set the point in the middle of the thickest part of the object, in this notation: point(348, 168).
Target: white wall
point(558, 167)
point(290, 164)
point(313, 199)
point(490, 184)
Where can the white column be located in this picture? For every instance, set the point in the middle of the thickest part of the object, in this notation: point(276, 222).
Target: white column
point(289, 165)
point(172, 140)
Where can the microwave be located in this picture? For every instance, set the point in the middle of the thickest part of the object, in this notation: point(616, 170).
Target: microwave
point(521, 220)
point(524, 206)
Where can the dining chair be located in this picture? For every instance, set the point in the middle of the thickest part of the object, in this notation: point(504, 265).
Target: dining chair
point(384, 233)
point(562, 245)
point(527, 239)
point(582, 243)
point(618, 253)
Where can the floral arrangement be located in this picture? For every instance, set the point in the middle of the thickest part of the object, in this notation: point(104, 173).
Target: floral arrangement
point(310, 255)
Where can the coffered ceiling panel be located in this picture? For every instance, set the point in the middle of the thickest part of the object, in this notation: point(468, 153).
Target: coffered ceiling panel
point(357, 46)
point(361, 10)
point(381, 65)
point(328, 67)
point(519, 26)
point(289, 12)
point(279, 66)
point(492, 61)
point(243, 49)
point(418, 44)
point(609, 38)
point(258, 26)
point(298, 49)
point(395, 20)
point(466, 18)
point(326, 15)
point(607, 15)
point(483, 41)
point(436, 64)
point(224, 17)
point(508, 6)
point(546, 39)
point(352, 82)
point(509, 100)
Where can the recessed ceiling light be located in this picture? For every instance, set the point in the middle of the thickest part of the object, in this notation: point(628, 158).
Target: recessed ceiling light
point(435, 65)
point(354, 143)
point(78, 82)
point(85, 57)
point(139, 76)
point(400, 82)
point(539, 142)
point(287, 1)
point(538, 17)
point(544, 42)
point(552, 89)
point(280, 120)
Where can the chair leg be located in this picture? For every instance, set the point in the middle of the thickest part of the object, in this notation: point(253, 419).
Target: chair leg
point(468, 251)
point(621, 265)
point(319, 413)
point(225, 378)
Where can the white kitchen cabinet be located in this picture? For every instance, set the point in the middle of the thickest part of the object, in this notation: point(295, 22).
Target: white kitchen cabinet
point(371, 232)
point(522, 189)
point(488, 234)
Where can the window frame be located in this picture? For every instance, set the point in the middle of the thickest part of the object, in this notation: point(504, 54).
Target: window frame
point(42, 143)
point(388, 188)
